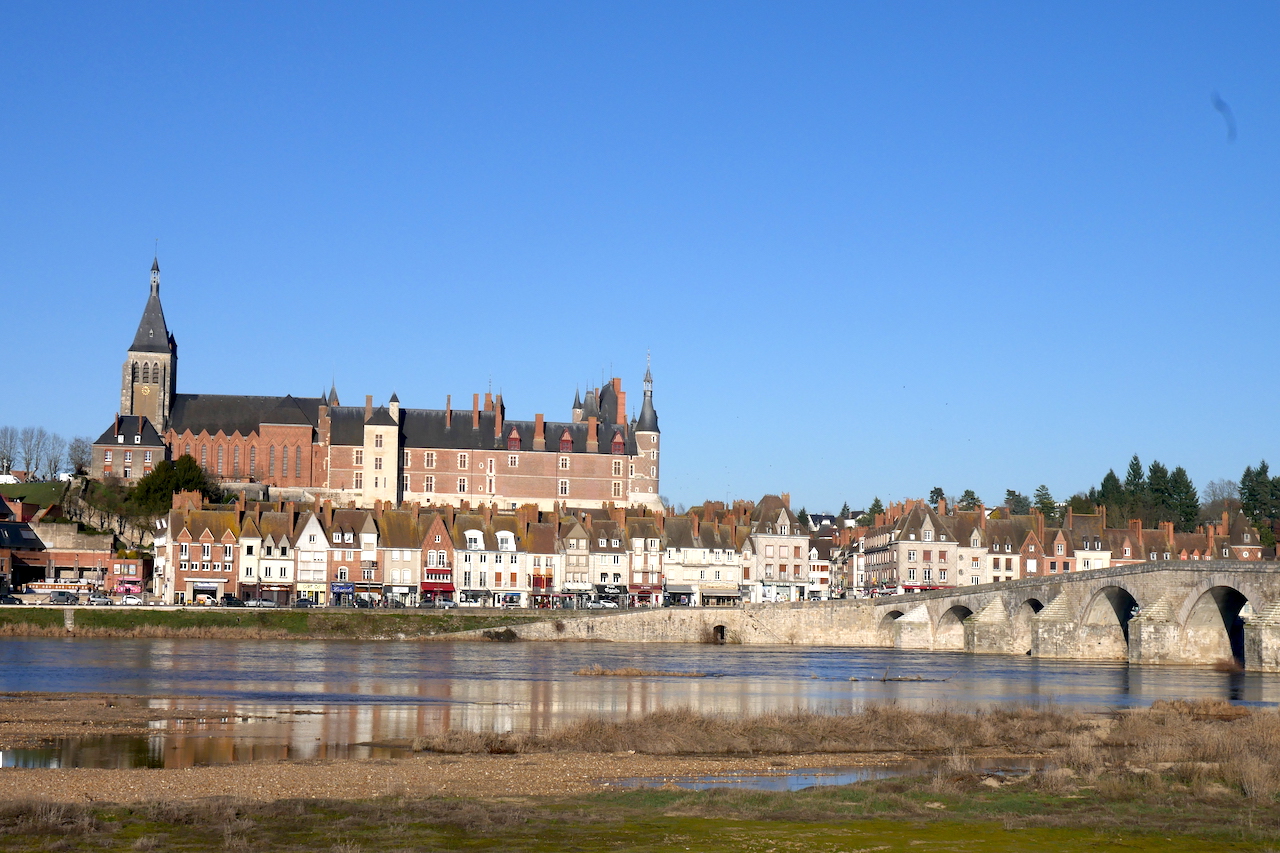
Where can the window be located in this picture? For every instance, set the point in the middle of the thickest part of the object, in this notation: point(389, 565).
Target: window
point(253, 461)
point(1246, 537)
point(342, 573)
point(377, 463)
point(106, 456)
point(942, 556)
point(137, 439)
point(566, 442)
point(428, 484)
point(928, 535)
point(284, 461)
point(942, 575)
point(235, 461)
point(271, 461)
point(220, 449)
point(928, 574)
point(911, 574)
point(248, 550)
point(1057, 549)
point(377, 439)
point(1126, 551)
point(911, 556)
point(404, 482)
point(564, 463)
point(463, 461)
point(564, 488)
point(617, 489)
point(128, 456)
point(513, 460)
point(146, 457)
point(358, 482)
point(337, 537)
point(359, 457)
point(297, 461)
point(617, 467)
point(462, 484)
point(183, 550)
point(226, 552)
point(928, 556)
point(206, 551)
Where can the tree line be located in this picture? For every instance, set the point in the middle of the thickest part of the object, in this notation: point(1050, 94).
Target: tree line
point(43, 455)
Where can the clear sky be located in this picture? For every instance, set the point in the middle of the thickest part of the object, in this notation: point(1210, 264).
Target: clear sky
point(873, 248)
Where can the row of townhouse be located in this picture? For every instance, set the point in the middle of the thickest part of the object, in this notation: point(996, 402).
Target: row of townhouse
point(41, 550)
point(484, 557)
point(915, 546)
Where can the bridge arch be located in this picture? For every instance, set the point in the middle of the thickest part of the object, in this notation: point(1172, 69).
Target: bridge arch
point(1212, 623)
point(884, 630)
point(1104, 623)
point(948, 633)
point(1020, 625)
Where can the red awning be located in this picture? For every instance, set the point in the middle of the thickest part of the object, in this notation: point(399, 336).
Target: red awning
point(436, 586)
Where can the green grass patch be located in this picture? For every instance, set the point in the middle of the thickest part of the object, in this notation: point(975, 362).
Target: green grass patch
point(706, 822)
point(38, 617)
point(44, 494)
point(109, 618)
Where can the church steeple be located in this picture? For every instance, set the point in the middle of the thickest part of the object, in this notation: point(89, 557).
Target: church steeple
point(648, 416)
point(149, 380)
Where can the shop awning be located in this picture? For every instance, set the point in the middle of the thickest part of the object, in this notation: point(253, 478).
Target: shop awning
point(679, 589)
point(721, 593)
point(436, 586)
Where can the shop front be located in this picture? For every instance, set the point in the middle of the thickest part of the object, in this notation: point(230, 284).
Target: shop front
point(342, 593)
point(645, 595)
point(204, 592)
point(573, 595)
point(680, 595)
point(510, 599)
point(402, 596)
point(370, 593)
point(615, 592)
point(713, 597)
point(280, 593)
point(542, 593)
point(475, 598)
point(436, 591)
point(314, 591)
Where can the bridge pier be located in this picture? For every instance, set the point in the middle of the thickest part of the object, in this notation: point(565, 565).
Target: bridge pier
point(989, 631)
point(914, 630)
point(1262, 641)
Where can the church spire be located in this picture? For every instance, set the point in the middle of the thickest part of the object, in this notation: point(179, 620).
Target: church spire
point(153, 333)
point(155, 277)
point(648, 421)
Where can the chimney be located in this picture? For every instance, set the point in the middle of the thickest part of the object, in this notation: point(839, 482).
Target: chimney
point(377, 510)
point(448, 411)
point(1071, 517)
point(619, 515)
point(1102, 511)
point(539, 433)
point(328, 513)
point(1226, 523)
point(475, 411)
point(488, 401)
point(661, 519)
point(368, 406)
point(982, 517)
point(942, 506)
point(1039, 524)
point(786, 499)
point(497, 418)
point(593, 441)
point(1135, 524)
point(696, 521)
point(486, 512)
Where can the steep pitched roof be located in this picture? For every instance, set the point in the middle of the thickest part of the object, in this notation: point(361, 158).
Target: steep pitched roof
point(231, 413)
point(131, 427)
point(152, 334)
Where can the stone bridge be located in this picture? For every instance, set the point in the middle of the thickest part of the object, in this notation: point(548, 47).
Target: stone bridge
point(1179, 612)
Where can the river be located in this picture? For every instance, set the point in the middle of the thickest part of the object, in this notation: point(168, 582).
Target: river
point(266, 699)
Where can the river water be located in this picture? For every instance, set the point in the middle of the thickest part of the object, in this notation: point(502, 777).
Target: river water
point(274, 700)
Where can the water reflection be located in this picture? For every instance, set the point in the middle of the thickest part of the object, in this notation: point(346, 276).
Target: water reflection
point(290, 700)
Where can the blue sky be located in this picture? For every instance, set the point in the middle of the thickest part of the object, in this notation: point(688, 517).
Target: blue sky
point(873, 248)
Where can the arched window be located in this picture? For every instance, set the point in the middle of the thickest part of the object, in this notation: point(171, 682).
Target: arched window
point(146, 374)
point(235, 461)
point(220, 449)
point(284, 461)
point(133, 372)
point(204, 456)
point(271, 461)
point(297, 462)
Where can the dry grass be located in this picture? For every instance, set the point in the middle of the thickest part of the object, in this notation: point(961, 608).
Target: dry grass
point(631, 671)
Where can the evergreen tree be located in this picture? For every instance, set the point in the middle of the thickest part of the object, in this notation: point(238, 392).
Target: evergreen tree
point(1260, 499)
point(936, 495)
point(872, 511)
point(1018, 503)
point(1134, 481)
point(803, 517)
point(1184, 500)
point(1159, 495)
point(1046, 504)
point(1082, 504)
point(154, 493)
point(968, 501)
point(845, 512)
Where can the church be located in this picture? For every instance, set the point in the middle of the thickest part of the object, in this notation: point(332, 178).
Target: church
point(379, 454)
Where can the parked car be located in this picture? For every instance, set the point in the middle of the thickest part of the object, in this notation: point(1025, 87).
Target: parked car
point(304, 602)
point(10, 599)
point(130, 598)
point(62, 596)
point(99, 599)
point(260, 602)
point(363, 602)
point(602, 604)
point(438, 604)
point(229, 600)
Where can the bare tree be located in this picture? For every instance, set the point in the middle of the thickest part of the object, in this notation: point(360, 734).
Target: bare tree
point(29, 442)
point(80, 454)
point(1221, 490)
point(55, 455)
point(8, 448)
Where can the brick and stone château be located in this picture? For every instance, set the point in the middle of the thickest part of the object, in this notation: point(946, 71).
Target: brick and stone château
point(370, 453)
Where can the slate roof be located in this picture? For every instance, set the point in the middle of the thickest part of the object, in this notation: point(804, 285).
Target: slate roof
point(19, 536)
point(231, 413)
point(648, 421)
point(153, 334)
point(130, 426)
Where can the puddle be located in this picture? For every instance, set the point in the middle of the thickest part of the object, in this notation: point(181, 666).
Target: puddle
point(801, 778)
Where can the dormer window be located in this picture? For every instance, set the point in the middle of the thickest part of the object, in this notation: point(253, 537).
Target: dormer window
point(928, 535)
point(566, 442)
point(348, 537)
point(973, 543)
point(337, 537)
point(1058, 549)
point(1246, 537)
point(137, 439)
point(1008, 547)
point(513, 441)
point(1126, 552)
point(475, 540)
point(601, 543)
point(613, 543)
point(119, 439)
